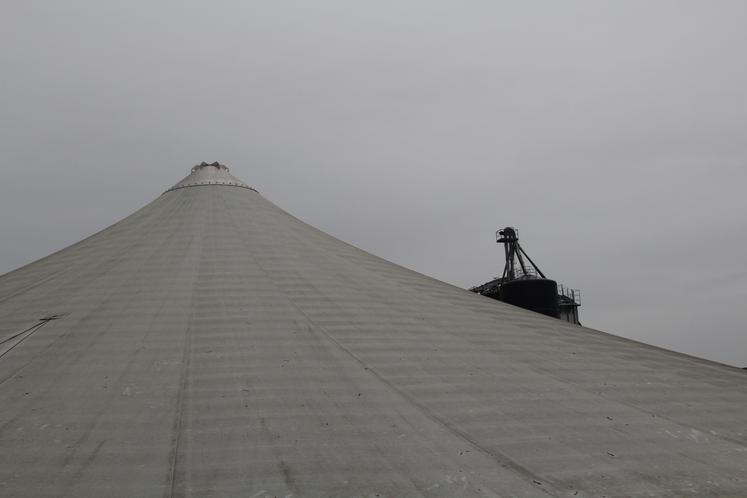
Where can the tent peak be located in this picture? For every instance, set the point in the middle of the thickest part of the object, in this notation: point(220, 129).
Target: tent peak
point(215, 164)
point(209, 174)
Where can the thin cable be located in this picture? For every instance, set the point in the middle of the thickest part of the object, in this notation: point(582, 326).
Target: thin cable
point(22, 332)
point(29, 332)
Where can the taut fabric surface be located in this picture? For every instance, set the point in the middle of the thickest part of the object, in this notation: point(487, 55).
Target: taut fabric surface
point(213, 345)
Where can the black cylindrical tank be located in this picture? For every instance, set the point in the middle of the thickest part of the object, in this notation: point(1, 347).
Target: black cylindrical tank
point(535, 294)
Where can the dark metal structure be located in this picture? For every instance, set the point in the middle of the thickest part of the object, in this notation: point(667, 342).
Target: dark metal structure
point(509, 237)
point(523, 284)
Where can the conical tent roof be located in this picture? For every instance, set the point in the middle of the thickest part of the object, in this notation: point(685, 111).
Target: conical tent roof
point(211, 344)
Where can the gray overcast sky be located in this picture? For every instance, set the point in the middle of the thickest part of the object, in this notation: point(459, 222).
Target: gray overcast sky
point(613, 134)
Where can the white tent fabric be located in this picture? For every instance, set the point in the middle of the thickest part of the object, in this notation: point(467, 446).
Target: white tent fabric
point(211, 344)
